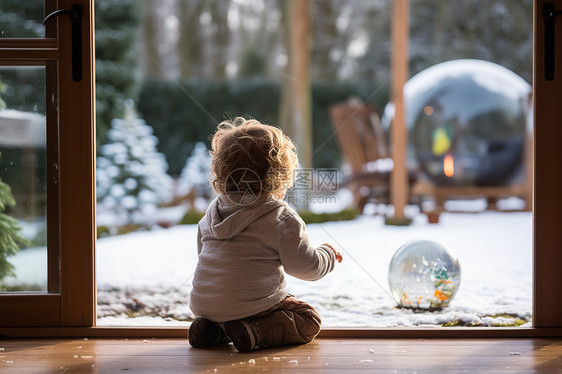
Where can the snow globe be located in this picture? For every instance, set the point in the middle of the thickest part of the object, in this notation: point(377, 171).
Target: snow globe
point(424, 274)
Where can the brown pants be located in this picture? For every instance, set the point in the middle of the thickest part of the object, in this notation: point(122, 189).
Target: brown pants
point(291, 321)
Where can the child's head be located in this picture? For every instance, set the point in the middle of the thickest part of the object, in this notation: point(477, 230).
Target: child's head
point(248, 155)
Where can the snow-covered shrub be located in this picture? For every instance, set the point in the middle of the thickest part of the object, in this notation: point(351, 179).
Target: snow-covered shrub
point(131, 173)
point(196, 173)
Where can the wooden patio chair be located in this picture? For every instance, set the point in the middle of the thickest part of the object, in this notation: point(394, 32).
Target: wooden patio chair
point(363, 145)
point(364, 148)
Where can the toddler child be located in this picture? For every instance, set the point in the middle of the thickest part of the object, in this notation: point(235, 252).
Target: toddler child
point(247, 240)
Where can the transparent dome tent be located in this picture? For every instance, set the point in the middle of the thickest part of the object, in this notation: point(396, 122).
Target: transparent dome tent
point(467, 122)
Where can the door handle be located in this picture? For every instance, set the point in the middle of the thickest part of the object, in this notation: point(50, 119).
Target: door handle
point(75, 14)
point(549, 15)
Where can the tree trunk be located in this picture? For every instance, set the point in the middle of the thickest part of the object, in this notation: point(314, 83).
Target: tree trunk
point(190, 43)
point(325, 40)
point(152, 59)
point(221, 38)
point(296, 105)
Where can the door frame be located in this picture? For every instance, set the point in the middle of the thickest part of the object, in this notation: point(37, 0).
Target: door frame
point(71, 298)
point(547, 197)
point(78, 221)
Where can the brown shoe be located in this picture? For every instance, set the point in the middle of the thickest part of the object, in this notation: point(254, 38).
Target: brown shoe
point(205, 333)
point(241, 335)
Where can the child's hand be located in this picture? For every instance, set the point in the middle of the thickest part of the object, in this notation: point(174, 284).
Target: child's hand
point(336, 253)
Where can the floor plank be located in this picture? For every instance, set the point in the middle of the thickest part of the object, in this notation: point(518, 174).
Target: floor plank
point(332, 355)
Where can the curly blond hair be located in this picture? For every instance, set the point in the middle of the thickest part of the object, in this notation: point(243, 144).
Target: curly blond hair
point(250, 156)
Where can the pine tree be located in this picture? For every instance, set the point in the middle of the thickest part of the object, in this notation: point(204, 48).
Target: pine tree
point(197, 172)
point(10, 240)
point(21, 19)
point(117, 70)
point(2, 89)
point(131, 173)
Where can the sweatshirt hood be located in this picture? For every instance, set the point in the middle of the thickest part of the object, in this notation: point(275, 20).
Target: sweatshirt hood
point(227, 216)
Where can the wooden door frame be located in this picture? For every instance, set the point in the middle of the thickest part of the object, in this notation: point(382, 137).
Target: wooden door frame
point(78, 304)
point(77, 173)
point(74, 221)
point(547, 197)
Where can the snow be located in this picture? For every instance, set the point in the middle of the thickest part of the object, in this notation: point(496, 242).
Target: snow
point(30, 268)
point(150, 272)
point(494, 250)
point(196, 172)
point(131, 173)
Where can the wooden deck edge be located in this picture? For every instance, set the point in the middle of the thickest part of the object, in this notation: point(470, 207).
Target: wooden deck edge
point(94, 332)
point(440, 332)
point(328, 333)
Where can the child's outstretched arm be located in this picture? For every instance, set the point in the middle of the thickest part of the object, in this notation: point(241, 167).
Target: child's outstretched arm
point(338, 255)
point(298, 257)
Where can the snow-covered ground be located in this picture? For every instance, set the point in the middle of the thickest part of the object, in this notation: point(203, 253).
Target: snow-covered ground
point(148, 275)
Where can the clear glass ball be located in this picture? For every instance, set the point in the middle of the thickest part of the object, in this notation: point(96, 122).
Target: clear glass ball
point(424, 274)
point(467, 122)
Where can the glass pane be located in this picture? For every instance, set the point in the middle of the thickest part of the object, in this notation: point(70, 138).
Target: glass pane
point(202, 63)
point(22, 19)
point(23, 264)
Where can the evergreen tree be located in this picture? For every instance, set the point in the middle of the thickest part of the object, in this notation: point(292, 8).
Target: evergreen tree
point(197, 172)
point(10, 240)
point(2, 89)
point(117, 69)
point(24, 87)
point(131, 173)
point(22, 19)
point(442, 30)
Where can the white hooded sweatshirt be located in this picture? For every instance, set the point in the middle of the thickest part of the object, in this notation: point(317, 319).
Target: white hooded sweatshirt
point(244, 251)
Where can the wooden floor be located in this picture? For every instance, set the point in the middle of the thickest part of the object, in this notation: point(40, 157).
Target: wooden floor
point(338, 356)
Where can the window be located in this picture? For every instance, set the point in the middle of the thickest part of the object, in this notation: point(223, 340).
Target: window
point(63, 150)
point(73, 305)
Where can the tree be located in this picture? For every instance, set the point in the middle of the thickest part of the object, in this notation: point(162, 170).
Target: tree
point(197, 172)
point(21, 19)
point(441, 30)
point(2, 89)
point(327, 48)
point(151, 36)
point(204, 38)
point(117, 74)
point(257, 38)
point(220, 37)
point(117, 69)
point(131, 173)
point(296, 105)
point(190, 43)
point(10, 240)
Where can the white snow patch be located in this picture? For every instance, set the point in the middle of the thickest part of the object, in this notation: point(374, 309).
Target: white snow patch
point(494, 250)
